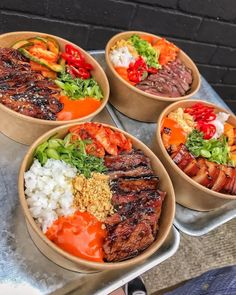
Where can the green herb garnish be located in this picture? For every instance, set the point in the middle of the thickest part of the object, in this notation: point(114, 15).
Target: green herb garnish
point(215, 150)
point(146, 50)
point(73, 153)
point(78, 88)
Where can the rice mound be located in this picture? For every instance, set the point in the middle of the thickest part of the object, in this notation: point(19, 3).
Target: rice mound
point(49, 191)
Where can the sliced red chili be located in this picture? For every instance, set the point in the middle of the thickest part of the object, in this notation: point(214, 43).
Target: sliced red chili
point(80, 73)
point(208, 129)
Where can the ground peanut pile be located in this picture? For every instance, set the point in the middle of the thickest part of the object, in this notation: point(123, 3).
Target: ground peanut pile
point(93, 195)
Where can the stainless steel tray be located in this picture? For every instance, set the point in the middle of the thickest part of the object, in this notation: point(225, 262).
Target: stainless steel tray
point(23, 269)
point(188, 221)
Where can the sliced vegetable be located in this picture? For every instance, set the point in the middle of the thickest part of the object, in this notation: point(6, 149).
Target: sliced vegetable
point(52, 66)
point(21, 43)
point(53, 45)
point(203, 114)
point(73, 153)
point(215, 150)
point(78, 88)
point(77, 65)
point(39, 41)
point(112, 141)
point(167, 50)
point(40, 52)
point(146, 50)
point(124, 74)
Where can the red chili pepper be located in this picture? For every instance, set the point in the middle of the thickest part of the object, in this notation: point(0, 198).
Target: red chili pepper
point(76, 61)
point(80, 73)
point(71, 50)
point(201, 112)
point(152, 70)
point(137, 71)
point(208, 129)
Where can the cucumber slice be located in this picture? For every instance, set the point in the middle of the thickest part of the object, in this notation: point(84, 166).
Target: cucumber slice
point(21, 43)
point(52, 66)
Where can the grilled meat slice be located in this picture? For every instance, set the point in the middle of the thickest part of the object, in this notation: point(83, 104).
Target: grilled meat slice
point(122, 198)
point(173, 80)
point(126, 161)
point(138, 171)
point(218, 177)
point(26, 91)
point(127, 240)
point(136, 185)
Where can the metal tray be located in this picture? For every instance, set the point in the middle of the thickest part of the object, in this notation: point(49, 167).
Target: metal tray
point(191, 222)
point(23, 269)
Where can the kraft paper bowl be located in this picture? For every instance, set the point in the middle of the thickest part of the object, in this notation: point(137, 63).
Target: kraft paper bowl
point(25, 129)
point(188, 192)
point(134, 102)
point(68, 261)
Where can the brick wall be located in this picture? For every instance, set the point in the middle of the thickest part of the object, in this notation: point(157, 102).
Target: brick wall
point(205, 29)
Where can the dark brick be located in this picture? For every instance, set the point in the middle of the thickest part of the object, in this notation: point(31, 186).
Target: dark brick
point(162, 22)
point(103, 12)
point(165, 3)
point(17, 22)
point(36, 7)
point(217, 33)
point(230, 77)
point(227, 92)
point(220, 9)
point(212, 74)
point(225, 57)
point(98, 37)
point(199, 52)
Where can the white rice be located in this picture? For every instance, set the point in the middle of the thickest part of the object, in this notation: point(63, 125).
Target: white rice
point(121, 57)
point(49, 191)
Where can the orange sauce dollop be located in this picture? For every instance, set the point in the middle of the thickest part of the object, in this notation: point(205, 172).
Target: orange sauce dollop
point(80, 234)
point(74, 109)
point(178, 135)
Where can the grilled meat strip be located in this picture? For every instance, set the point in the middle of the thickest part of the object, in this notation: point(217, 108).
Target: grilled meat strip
point(26, 91)
point(126, 161)
point(136, 185)
point(173, 80)
point(217, 177)
point(137, 202)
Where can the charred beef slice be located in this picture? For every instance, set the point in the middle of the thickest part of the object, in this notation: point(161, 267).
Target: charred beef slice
point(173, 80)
point(26, 91)
point(137, 202)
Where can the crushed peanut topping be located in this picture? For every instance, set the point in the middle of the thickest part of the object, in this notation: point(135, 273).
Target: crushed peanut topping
point(93, 195)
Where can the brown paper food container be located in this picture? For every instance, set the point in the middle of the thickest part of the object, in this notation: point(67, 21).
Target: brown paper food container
point(26, 129)
point(188, 192)
point(74, 263)
point(134, 102)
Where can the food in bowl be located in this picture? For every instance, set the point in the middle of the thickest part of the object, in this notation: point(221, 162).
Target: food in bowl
point(202, 143)
point(94, 194)
point(40, 81)
point(152, 65)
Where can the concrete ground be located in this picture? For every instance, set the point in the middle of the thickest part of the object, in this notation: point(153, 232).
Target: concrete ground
point(195, 256)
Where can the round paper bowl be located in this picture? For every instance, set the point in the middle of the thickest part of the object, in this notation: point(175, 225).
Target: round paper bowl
point(188, 192)
point(134, 102)
point(68, 261)
point(25, 129)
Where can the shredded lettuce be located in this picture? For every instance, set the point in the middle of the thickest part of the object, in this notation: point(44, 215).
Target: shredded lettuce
point(146, 50)
point(78, 88)
point(215, 150)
